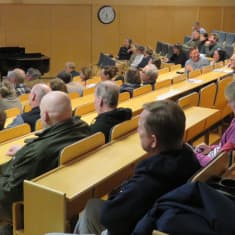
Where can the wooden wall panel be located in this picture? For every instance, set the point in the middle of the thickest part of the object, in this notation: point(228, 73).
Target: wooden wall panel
point(70, 36)
point(73, 32)
point(211, 17)
point(228, 19)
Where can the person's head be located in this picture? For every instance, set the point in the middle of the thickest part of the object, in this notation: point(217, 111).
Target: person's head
point(203, 37)
point(108, 72)
point(58, 84)
point(69, 67)
point(106, 96)
point(230, 95)
point(127, 42)
point(65, 76)
point(55, 107)
point(232, 62)
point(148, 51)
point(85, 73)
point(156, 61)
point(7, 89)
point(219, 55)
point(194, 54)
point(161, 126)
point(33, 74)
point(16, 76)
point(132, 76)
point(149, 74)
point(37, 93)
point(213, 38)
point(177, 48)
point(2, 119)
point(195, 35)
point(196, 25)
point(140, 50)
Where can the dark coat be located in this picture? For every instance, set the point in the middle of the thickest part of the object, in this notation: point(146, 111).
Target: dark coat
point(192, 209)
point(104, 122)
point(38, 156)
point(153, 177)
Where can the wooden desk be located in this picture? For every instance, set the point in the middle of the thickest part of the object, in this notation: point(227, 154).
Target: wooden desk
point(92, 176)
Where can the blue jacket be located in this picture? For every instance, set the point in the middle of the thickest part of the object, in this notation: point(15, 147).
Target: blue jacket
point(192, 209)
point(153, 177)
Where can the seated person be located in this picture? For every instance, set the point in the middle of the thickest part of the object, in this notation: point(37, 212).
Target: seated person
point(70, 85)
point(149, 75)
point(231, 65)
point(41, 154)
point(148, 55)
point(178, 56)
point(131, 81)
point(219, 55)
point(85, 74)
point(58, 84)
point(108, 73)
point(125, 51)
point(17, 78)
point(198, 27)
point(194, 41)
point(35, 97)
point(203, 40)
point(156, 61)
point(137, 56)
point(2, 119)
point(106, 101)
point(33, 76)
point(196, 61)
point(154, 176)
point(70, 67)
point(211, 45)
point(8, 98)
point(205, 153)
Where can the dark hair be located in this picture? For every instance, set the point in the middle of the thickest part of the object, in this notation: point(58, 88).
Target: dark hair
point(205, 35)
point(178, 46)
point(132, 76)
point(110, 71)
point(87, 72)
point(2, 119)
point(222, 55)
point(166, 120)
point(157, 62)
point(58, 85)
point(66, 77)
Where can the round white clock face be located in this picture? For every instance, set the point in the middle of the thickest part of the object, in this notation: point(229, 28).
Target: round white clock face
point(106, 14)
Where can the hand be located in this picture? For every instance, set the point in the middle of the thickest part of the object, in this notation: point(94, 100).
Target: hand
point(207, 43)
point(189, 68)
point(202, 148)
point(12, 150)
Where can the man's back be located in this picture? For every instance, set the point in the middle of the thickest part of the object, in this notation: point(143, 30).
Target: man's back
point(38, 156)
point(153, 177)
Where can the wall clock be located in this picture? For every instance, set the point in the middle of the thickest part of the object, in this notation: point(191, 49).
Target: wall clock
point(106, 14)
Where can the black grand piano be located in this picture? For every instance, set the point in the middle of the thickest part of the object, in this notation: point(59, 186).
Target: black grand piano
point(15, 57)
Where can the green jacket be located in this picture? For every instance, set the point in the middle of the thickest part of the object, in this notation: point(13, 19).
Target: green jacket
point(39, 155)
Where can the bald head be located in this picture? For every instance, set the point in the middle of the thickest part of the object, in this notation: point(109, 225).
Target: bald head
point(55, 107)
point(36, 94)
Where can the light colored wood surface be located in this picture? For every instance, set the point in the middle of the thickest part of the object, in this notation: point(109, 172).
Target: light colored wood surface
point(95, 168)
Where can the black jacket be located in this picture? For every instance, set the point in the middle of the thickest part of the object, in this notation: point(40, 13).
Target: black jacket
point(31, 117)
point(104, 122)
point(192, 209)
point(153, 177)
point(178, 59)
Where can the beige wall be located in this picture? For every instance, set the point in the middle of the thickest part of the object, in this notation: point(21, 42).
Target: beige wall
point(70, 30)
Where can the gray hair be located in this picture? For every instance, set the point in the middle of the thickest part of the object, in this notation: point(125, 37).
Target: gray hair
point(109, 92)
point(230, 91)
point(152, 72)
